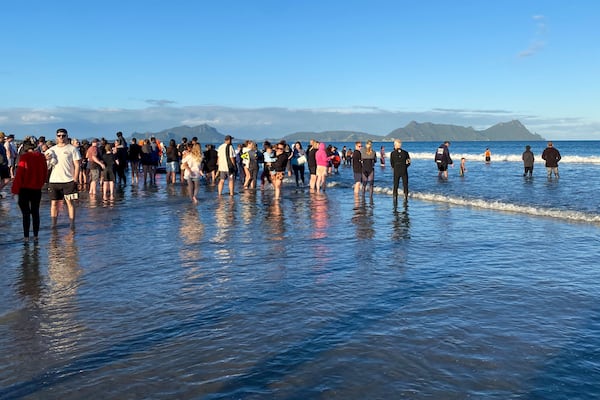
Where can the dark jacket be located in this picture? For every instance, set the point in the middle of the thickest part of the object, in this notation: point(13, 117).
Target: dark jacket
point(552, 157)
point(442, 155)
point(400, 161)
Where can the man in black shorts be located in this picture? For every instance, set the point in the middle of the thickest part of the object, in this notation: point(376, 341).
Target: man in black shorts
point(64, 159)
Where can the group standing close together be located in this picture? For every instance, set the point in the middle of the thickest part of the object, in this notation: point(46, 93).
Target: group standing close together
point(66, 165)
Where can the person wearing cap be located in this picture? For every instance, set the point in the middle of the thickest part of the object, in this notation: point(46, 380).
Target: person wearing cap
point(30, 178)
point(528, 159)
point(64, 159)
point(4, 170)
point(227, 165)
point(552, 156)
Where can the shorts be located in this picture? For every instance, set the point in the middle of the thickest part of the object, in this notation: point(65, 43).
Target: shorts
point(60, 191)
point(321, 170)
point(108, 175)
point(442, 167)
point(94, 174)
point(4, 172)
point(277, 175)
point(357, 177)
point(225, 174)
point(172, 166)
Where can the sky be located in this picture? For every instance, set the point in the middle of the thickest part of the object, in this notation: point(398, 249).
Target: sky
point(267, 68)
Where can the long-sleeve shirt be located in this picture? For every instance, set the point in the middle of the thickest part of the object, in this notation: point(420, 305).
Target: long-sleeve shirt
point(32, 172)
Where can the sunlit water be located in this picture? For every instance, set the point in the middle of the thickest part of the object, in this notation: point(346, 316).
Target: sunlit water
point(315, 296)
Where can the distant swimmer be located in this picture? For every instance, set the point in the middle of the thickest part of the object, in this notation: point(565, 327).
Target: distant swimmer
point(528, 159)
point(443, 159)
point(552, 156)
point(463, 168)
point(488, 155)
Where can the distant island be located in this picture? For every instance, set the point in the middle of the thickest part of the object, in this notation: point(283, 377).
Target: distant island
point(412, 132)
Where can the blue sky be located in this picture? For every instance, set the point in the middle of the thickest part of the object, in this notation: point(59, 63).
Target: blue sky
point(250, 66)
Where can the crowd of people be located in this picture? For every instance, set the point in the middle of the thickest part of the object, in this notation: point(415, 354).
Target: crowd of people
point(67, 167)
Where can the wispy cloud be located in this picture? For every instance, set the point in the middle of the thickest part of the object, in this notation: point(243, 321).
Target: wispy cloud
point(272, 122)
point(160, 103)
point(539, 38)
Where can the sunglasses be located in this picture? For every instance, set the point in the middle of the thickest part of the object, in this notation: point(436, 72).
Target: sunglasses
point(61, 135)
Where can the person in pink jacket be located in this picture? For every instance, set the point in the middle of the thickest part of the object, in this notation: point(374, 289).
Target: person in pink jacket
point(322, 164)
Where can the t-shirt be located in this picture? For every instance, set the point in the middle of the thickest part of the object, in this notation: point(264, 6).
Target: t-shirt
point(65, 157)
point(91, 152)
point(223, 156)
point(193, 169)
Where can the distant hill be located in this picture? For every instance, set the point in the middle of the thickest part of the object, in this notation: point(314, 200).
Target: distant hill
point(413, 132)
point(428, 132)
point(205, 134)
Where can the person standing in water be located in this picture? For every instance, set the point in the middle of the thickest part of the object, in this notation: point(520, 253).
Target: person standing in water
point(400, 161)
point(552, 156)
point(368, 159)
point(528, 160)
point(64, 159)
point(357, 167)
point(443, 159)
point(30, 177)
point(488, 155)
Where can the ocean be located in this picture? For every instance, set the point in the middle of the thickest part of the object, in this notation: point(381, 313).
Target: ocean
point(481, 286)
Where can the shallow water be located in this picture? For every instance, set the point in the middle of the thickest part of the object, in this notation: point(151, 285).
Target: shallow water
point(316, 296)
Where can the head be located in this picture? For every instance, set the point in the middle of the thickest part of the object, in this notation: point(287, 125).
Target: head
point(447, 143)
point(397, 144)
point(108, 148)
point(358, 145)
point(62, 136)
point(298, 145)
point(228, 139)
point(172, 143)
point(2, 137)
point(528, 147)
point(28, 146)
point(279, 148)
point(119, 134)
point(549, 144)
point(133, 141)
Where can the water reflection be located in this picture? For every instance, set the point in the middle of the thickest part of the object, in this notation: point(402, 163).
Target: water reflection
point(322, 253)
point(60, 303)
point(401, 224)
point(191, 232)
point(224, 224)
point(31, 282)
point(363, 218)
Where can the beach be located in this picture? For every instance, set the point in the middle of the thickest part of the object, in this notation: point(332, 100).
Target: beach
point(479, 287)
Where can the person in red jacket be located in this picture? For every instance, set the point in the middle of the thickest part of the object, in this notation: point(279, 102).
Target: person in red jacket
point(30, 177)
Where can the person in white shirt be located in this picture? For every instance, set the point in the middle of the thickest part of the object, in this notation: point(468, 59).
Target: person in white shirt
point(64, 159)
point(227, 165)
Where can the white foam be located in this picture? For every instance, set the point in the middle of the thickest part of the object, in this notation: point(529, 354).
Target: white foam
point(570, 215)
point(507, 158)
